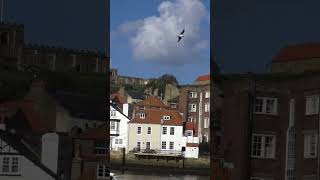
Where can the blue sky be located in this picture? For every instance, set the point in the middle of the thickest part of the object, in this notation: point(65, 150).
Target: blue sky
point(143, 38)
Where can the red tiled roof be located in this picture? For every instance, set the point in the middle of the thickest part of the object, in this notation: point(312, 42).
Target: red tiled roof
point(151, 101)
point(118, 98)
point(203, 78)
point(192, 126)
point(154, 116)
point(98, 133)
point(33, 118)
point(192, 145)
point(298, 52)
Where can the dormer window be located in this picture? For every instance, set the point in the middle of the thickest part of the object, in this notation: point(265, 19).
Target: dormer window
point(189, 132)
point(142, 115)
point(166, 117)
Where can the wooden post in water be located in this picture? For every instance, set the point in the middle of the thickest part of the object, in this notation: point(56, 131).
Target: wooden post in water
point(183, 162)
point(123, 159)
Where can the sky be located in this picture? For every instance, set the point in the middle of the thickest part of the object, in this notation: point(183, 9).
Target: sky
point(66, 23)
point(143, 38)
point(248, 34)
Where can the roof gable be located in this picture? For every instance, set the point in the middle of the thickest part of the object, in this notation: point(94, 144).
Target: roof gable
point(151, 101)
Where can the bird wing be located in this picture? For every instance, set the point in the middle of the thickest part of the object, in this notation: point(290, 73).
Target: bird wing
point(179, 38)
point(182, 31)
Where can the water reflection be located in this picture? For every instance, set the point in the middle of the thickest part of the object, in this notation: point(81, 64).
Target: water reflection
point(144, 176)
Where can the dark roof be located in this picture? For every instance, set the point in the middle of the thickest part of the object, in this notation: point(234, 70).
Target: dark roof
point(137, 95)
point(19, 142)
point(116, 107)
point(82, 106)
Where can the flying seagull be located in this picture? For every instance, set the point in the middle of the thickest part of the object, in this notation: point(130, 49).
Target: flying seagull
point(180, 35)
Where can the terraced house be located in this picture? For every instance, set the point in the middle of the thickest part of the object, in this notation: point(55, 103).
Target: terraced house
point(157, 128)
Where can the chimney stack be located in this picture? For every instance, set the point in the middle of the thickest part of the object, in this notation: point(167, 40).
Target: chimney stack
point(125, 109)
point(50, 151)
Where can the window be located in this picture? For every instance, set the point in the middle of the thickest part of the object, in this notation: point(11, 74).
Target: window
point(163, 145)
point(171, 130)
point(102, 171)
point(207, 107)
point(189, 132)
point(148, 145)
point(139, 130)
point(139, 145)
point(142, 115)
point(312, 103)
point(171, 145)
point(164, 130)
point(112, 125)
point(206, 122)
point(173, 105)
point(166, 117)
point(207, 94)
point(265, 105)
point(6, 165)
point(112, 113)
point(310, 145)
point(149, 130)
point(263, 146)
point(192, 119)
point(192, 108)
point(100, 148)
point(193, 95)
point(120, 141)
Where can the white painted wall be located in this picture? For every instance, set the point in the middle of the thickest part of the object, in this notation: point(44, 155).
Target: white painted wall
point(192, 152)
point(123, 128)
point(29, 171)
point(50, 150)
point(176, 138)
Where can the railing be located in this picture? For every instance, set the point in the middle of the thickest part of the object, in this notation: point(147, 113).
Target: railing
point(114, 132)
point(158, 152)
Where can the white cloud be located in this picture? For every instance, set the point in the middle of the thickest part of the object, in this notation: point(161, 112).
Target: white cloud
point(155, 37)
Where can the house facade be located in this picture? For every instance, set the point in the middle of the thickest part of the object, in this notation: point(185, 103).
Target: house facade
point(20, 162)
point(194, 104)
point(274, 133)
point(119, 126)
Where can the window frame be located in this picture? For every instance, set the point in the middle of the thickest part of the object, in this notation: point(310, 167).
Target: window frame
point(193, 107)
point(307, 147)
point(264, 106)
point(166, 130)
point(149, 129)
point(263, 146)
point(139, 131)
point(193, 94)
point(172, 131)
point(308, 105)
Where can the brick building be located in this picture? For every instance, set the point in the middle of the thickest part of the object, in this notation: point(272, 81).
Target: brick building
point(19, 55)
point(194, 103)
point(270, 126)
